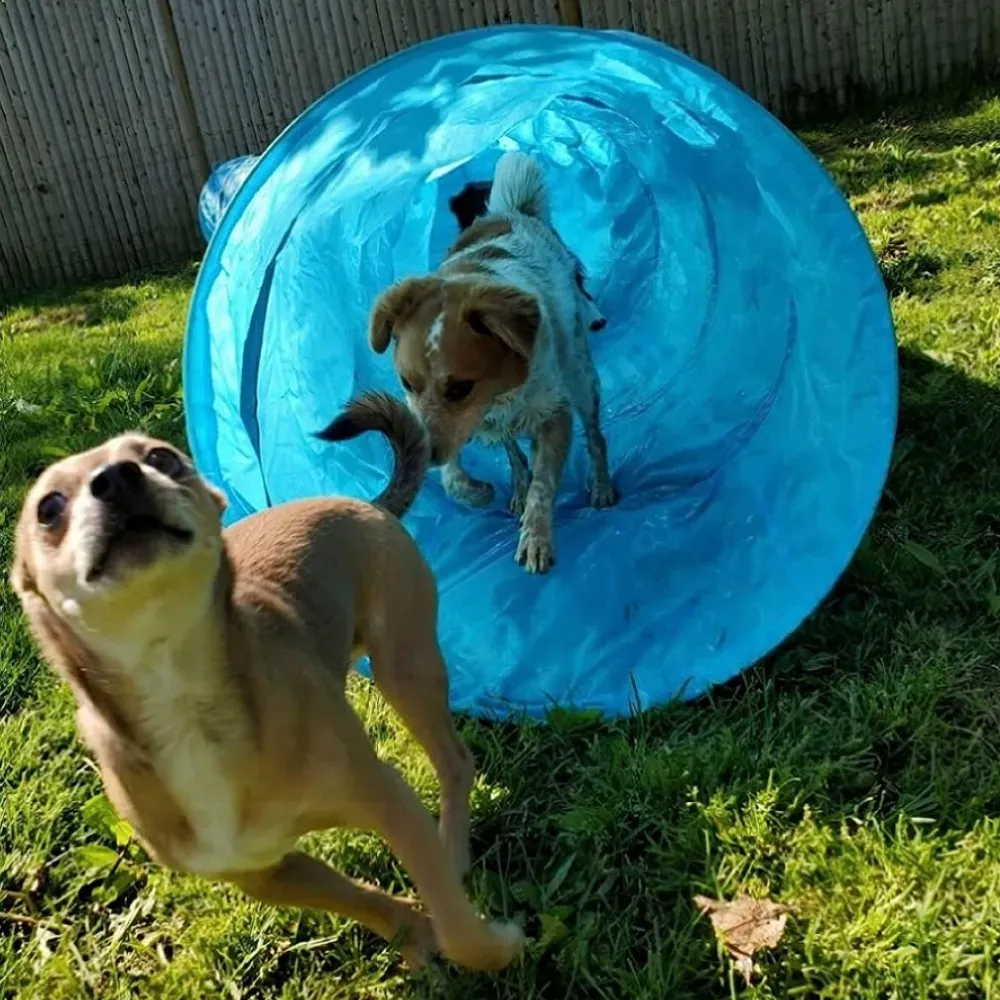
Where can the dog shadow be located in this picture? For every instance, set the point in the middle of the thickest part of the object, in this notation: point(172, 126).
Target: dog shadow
point(882, 706)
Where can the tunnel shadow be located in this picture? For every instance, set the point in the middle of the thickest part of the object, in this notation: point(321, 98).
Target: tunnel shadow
point(884, 703)
point(907, 145)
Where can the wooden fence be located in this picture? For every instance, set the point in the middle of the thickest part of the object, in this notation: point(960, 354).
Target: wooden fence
point(111, 111)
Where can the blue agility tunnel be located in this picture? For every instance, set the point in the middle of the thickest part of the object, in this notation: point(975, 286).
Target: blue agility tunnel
point(748, 366)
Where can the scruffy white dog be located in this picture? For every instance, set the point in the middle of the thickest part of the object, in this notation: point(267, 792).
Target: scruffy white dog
point(495, 345)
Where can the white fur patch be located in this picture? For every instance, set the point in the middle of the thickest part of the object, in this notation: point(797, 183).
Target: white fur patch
point(435, 334)
point(193, 768)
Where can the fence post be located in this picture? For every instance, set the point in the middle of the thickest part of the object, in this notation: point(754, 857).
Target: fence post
point(570, 13)
point(181, 86)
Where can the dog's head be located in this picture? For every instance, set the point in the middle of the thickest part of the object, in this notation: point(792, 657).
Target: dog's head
point(124, 534)
point(459, 345)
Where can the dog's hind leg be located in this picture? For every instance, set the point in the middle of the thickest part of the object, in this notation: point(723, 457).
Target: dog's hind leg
point(536, 545)
point(520, 475)
point(411, 675)
point(462, 935)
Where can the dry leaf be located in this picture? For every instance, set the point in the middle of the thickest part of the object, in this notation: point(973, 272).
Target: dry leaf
point(744, 926)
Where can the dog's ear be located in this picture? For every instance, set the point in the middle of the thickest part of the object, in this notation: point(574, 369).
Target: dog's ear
point(218, 497)
point(506, 314)
point(22, 576)
point(394, 306)
point(59, 647)
point(44, 625)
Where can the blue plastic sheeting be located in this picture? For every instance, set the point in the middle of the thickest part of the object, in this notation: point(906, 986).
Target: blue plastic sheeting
point(748, 368)
point(219, 190)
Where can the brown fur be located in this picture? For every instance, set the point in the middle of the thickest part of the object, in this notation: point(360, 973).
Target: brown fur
point(481, 231)
point(378, 411)
point(486, 336)
point(209, 670)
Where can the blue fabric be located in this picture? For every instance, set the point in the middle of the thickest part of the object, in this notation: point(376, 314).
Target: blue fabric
point(219, 190)
point(748, 367)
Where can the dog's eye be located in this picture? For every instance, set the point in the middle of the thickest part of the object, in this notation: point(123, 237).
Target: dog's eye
point(406, 385)
point(478, 323)
point(51, 508)
point(165, 461)
point(455, 392)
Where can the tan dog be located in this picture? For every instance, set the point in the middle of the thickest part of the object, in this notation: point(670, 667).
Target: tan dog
point(209, 670)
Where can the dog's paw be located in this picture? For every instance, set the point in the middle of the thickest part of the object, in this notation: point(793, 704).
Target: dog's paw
point(508, 943)
point(416, 940)
point(535, 551)
point(487, 947)
point(478, 494)
point(470, 492)
point(603, 494)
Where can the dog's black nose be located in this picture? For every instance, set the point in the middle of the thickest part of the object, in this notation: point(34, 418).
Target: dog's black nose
point(117, 483)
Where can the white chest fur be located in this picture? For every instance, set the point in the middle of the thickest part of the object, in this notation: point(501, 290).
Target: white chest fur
point(523, 413)
point(191, 731)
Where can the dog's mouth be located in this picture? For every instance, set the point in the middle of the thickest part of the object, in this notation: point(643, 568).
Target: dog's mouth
point(136, 530)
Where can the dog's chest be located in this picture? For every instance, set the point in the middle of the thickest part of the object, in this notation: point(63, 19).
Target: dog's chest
point(522, 414)
point(192, 736)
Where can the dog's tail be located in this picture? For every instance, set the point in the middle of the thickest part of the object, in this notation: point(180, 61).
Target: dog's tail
point(378, 411)
point(519, 186)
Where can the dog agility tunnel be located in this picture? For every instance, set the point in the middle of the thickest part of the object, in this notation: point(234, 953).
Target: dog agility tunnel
point(748, 366)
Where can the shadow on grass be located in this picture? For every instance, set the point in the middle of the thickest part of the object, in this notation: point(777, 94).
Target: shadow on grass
point(884, 704)
point(906, 271)
point(936, 124)
point(908, 145)
point(103, 304)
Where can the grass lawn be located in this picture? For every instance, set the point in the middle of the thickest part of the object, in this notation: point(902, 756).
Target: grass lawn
point(855, 774)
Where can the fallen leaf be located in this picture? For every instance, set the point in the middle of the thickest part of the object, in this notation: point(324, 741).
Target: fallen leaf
point(744, 926)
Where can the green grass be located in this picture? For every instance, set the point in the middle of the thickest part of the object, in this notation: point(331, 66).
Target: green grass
point(855, 774)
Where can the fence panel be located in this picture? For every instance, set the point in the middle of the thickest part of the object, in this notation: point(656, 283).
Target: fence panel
point(111, 111)
point(96, 176)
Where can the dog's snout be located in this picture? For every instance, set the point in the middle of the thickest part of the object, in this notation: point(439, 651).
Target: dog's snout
point(117, 483)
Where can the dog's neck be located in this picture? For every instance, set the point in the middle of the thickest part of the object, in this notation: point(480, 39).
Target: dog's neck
point(163, 645)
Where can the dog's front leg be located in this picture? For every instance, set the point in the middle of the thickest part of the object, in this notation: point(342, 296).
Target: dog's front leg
point(520, 475)
point(586, 396)
point(536, 546)
point(460, 486)
point(304, 882)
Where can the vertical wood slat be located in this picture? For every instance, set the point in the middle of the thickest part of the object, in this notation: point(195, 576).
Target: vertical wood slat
point(331, 59)
point(24, 160)
point(77, 249)
point(120, 108)
point(271, 107)
point(102, 155)
point(189, 27)
point(176, 159)
point(100, 185)
point(741, 39)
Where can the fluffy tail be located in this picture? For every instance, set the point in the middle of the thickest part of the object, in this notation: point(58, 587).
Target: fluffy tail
point(378, 411)
point(519, 186)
